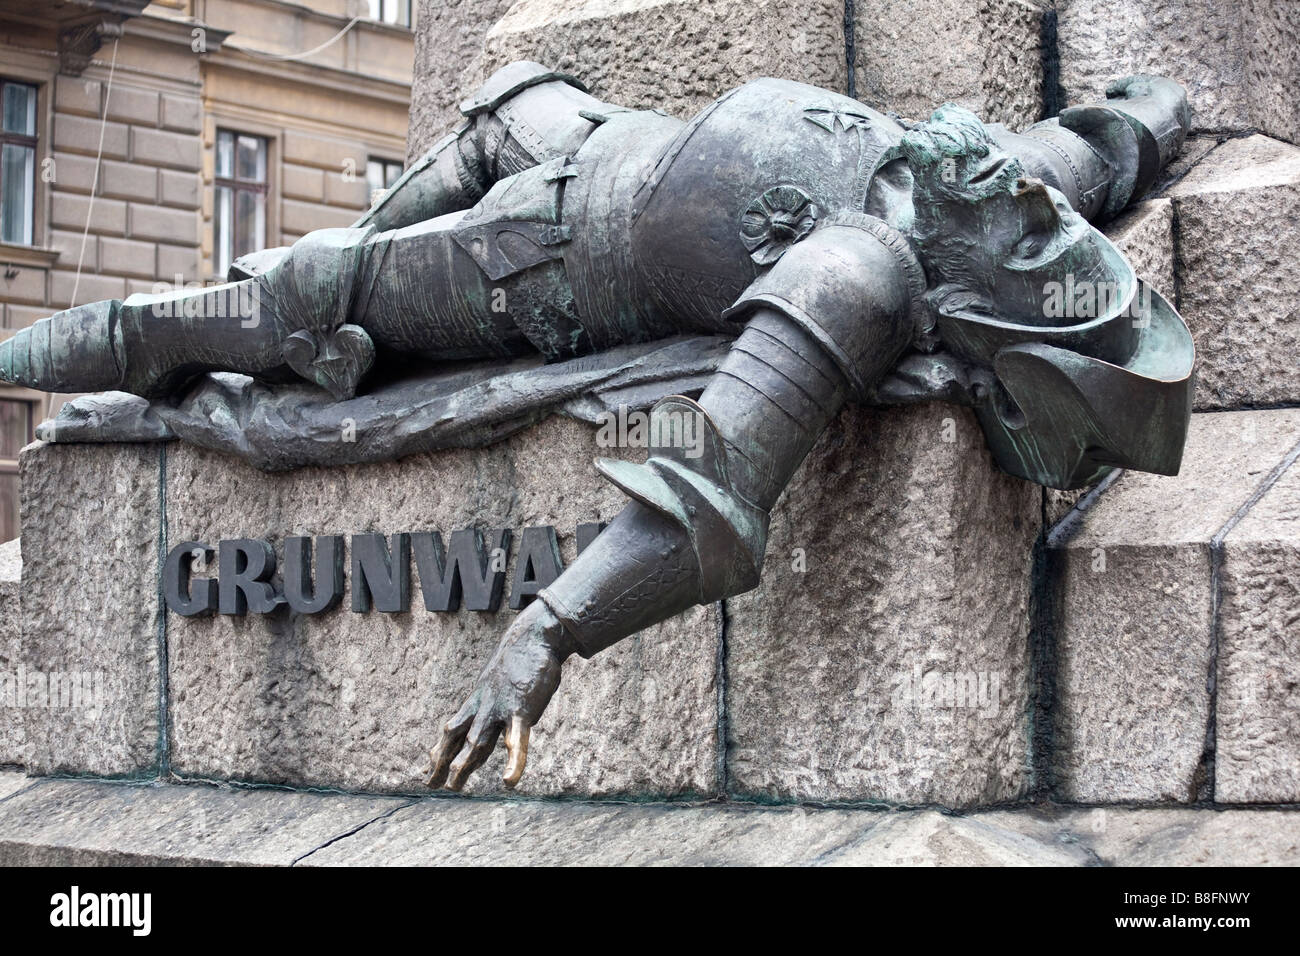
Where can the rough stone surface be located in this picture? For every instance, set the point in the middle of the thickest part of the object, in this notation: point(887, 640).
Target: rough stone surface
point(1145, 235)
point(55, 822)
point(448, 47)
point(541, 833)
point(1199, 43)
point(11, 781)
point(12, 736)
point(985, 55)
point(1258, 742)
point(929, 838)
point(1272, 67)
point(1238, 213)
point(678, 55)
point(1188, 837)
point(917, 555)
point(355, 700)
point(90, 521)
point(1195, 148)
point(60, 823)
point(1132, 625)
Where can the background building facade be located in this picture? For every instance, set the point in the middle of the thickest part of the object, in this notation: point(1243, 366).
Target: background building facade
point(150, 143)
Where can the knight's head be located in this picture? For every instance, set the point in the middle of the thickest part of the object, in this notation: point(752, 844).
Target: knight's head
point(996, 243)
point(1091, 369)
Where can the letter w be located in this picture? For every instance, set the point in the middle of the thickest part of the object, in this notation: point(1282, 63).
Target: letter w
point(463, 570)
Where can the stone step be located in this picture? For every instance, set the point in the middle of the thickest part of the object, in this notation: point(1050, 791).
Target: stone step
point(1220, 241)
point(1173, 625)
point(83, 823)
point(1237, 241)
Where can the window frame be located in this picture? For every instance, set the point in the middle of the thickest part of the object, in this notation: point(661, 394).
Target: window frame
point(237, 185)
point(377, 16)
point(9, 466)
point(31, 142)
point(385, 163)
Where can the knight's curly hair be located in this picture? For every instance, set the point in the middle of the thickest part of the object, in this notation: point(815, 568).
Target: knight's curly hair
point(954, 162)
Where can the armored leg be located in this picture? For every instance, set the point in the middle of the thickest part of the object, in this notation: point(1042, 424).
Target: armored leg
point(523, 116)
point(291, 321)
point(697, 527)
point(1104, 156)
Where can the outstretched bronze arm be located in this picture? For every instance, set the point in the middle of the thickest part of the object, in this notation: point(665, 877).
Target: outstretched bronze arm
point(696, 529)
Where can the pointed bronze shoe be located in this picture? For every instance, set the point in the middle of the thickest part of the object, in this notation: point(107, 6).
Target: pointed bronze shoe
point(77, 350)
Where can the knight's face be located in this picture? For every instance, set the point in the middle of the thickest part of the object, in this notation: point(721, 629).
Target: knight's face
point(1018, 249)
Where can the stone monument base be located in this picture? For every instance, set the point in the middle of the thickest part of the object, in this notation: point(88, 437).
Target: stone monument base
point(884, 657)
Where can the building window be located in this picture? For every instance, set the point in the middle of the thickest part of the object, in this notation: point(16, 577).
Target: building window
point(382, 173)
point(17, 162)
point(15, 432)
point(240, 212)
point(391, 11)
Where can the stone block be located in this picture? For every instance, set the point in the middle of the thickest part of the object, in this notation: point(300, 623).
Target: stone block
point(163, 224)
point(351, 191)
point(90, 619)
point(1257, 746)
point(352, 700)
point(89, 288)
point(1272, 67)
point(678, 55)
point(1238, 237)
point(133, 105)
point(69, 211)
point(985, 55)
point(74, 173)
point(1145, 234)
point(332, 155)
point(128, 181)
point(1131, 630)
point(178, 260)
point(182, 114)
point(448, 44)
point(69, 245)
point(302, 182)
point(12, 737)
point(127, 257)
point(80, 134)
point(885, 654)
point(61, 822)
point(1199, 43)
point(159, 147)
point(76, 94)
point(179, 189)
point(303, 217)
point(23, 284)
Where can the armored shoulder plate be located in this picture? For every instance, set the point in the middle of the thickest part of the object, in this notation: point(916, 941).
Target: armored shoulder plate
point(849, 290)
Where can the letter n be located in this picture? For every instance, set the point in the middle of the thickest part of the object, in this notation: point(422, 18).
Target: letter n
point(379, 577)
